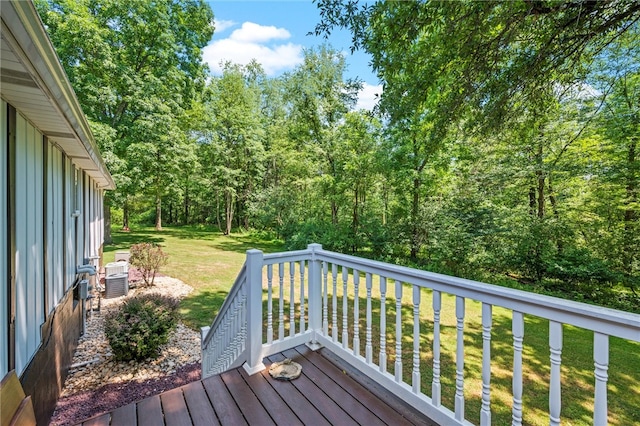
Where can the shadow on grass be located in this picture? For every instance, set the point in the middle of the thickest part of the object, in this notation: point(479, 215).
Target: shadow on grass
point(238, 243)
point(123, 240)
point(201, 307)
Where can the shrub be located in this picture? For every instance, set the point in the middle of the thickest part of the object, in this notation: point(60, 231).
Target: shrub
point(148, 258)
point(141, 326)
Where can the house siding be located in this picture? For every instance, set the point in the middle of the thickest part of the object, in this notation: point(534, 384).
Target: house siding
point(4, 241)
point(52, 180)
point(29, 254)
point(39, 195)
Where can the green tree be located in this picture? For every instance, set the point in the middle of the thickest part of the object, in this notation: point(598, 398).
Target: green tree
point(490, 58)
point(136, 67)
point(319, 98)
point(233, 150)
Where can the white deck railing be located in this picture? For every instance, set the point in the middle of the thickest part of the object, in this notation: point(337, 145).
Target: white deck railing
point(273, 307)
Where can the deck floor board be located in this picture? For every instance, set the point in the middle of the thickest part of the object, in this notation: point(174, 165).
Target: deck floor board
point(324, 394)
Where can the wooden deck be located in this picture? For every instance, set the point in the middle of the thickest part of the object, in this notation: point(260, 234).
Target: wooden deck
point(327, 393)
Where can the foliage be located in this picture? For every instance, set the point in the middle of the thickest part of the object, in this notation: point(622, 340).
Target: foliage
point(505, 143)
point(492, 57)
point(138, 329)
point(148, 258)
point(136, 67)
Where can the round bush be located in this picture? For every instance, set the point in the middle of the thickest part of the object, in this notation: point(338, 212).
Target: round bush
point(141, 326)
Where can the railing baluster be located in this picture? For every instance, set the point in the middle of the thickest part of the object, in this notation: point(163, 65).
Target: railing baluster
point(281, 302)
point(368, 348)
point(415, 379)
point(242, 332)
point(292, 300)
point(601, 362)
point(435, 384)
point(459, 397)
point(356, 313)
point(398, 363)
point(555, 346)
point(302, 304)
point(325, 300)
point(334, 316)
point(345, 308)
point(269, 304)
point(485, 411)
point(383, 325)
point(517, 329)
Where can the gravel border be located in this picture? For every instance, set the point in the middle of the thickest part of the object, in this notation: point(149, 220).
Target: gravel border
point(97, 383)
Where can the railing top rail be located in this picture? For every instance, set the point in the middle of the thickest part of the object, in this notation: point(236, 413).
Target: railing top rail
point(286, 256)
point(596, 318)
point(235, 288)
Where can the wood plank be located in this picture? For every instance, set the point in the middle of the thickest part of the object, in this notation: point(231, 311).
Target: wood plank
point(388, 407)
point(277, 407)
point(150, 412)
point(174, 408)
point(103, 420)
point(125, 415)
point(298, 403)
point(222, 401)
point(249, 404)
point(358, 408)
point(202, 413)
point(329, 409)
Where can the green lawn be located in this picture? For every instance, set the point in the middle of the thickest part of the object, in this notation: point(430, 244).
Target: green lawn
point(199, 256)
point(209, 262)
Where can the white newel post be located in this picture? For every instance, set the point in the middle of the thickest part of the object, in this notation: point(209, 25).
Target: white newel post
point(315, 296)
point(254, 312)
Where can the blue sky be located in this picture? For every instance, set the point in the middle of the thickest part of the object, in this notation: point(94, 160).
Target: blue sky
point(275, 33)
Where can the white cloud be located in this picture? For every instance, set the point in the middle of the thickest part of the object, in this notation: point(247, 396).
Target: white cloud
point(253, 41)
point(367, 98)
point(255, 33)
point(222, 25)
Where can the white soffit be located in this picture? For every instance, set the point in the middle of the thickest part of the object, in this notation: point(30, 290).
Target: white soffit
point(34, 82)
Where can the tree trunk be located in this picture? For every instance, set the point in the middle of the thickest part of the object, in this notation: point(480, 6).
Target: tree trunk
point(186, 204)
point(631, 213)
point(556, 214)
point(158, 212)
point(218, 212)
point(229, 201)
point(334, 212)
point(125, 215)
point(355, 222)
point(415, 238)
point(106, 207)
point(541, 178)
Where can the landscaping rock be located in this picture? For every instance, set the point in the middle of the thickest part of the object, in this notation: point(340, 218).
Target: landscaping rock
point(98, 371)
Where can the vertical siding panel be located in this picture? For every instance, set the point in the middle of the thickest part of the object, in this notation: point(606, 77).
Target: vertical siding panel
point(21, 278)
point(58, 226)
point(80, 219)
point(55, 242)
point(29, 305)
point(70, 223)
point(4, 240)
point(86, 214)
point(51, 195)
point(38, 240)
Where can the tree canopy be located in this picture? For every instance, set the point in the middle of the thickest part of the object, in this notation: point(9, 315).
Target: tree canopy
point(136, 67)
point(493, 58)
point(505, 146)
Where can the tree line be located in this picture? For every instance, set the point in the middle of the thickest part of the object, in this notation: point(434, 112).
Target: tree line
point(504, 146)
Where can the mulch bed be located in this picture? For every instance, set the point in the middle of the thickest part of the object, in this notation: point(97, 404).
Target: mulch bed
point(83, 405)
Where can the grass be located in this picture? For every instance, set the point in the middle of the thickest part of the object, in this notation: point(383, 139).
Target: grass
point(199, 256)
point(209, 262)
